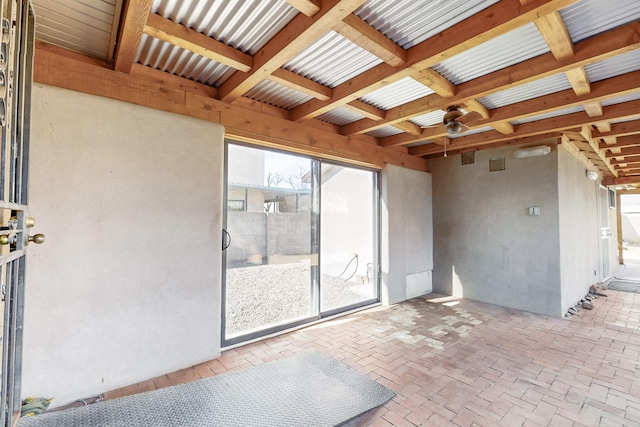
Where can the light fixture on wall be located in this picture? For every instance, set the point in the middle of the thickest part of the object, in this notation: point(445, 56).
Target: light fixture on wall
point(539, 150)
point(592, 175)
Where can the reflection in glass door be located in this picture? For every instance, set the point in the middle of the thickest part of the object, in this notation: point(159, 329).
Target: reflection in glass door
point(280, 224)
point(270, 268)
point(348, 254)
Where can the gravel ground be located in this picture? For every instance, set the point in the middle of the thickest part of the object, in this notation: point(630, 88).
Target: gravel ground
point(271, 294)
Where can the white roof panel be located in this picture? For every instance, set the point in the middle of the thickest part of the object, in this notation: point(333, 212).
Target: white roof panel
point(384, 132)
point(332, 60)
point(615, 66)
point(621, 99)
point(418, 19)
point(498, 53)
point(429, 119)
point(246, 25)
point(340, 116)
point(587, 18)
point(273, 93)
point(551, 84)
point(87, 27)
point(397, 93)
point(548, 115)
point(166, 57)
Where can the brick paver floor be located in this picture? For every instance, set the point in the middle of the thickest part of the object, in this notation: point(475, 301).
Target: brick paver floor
point(463, 363)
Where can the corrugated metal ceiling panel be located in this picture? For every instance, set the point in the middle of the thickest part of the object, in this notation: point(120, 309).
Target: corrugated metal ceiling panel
point(615, 66)
point(397, 93)
point(587, 18)
point(332, 60)
point(340, 116)
point(537, 88)
point(166, 57)
point(498, 53)
point(418, 20)
point(548, 115)
point(384, 132)
point(273, 93)
point(87, 27)
point(246, 25)
point(430, 119)
point(621, 99)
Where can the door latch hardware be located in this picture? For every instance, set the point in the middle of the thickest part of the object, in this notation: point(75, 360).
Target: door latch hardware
point(8, 239)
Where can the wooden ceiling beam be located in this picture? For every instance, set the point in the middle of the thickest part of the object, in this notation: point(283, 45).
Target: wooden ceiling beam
point(307, 7)
point(296, 36)
point(408, 127)
point(609, 181)
point(162, 78)
point(620, 129)
point(473, 105)
point(368, 38)
point(301, 84)
point(555, 33)
point(367, 110)
point(239, 122)
point(628, 159)
point(617, 41)
point(604, 89)
point(622, 141)
point(579, 80)
point(134, 17)
point(554, 124)
point(436, 82)
point(178, 35)
point(487, 24)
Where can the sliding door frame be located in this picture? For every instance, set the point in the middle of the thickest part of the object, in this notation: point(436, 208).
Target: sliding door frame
point(315, 242)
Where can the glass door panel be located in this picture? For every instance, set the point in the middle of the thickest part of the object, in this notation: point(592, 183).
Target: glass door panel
point(271, 258)
point(348, 243)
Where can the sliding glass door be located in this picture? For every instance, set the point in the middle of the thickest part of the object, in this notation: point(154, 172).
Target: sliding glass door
point(300, 238)
point(348, 249)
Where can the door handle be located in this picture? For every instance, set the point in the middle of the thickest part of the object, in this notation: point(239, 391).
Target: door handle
point(226, 238)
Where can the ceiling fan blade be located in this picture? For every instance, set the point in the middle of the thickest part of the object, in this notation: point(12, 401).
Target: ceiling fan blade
point(469, 117)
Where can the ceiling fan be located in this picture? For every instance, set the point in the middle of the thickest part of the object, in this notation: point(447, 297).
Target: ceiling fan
point(455, 118)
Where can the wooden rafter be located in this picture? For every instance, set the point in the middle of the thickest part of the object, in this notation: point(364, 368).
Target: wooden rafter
point(364, 35)
point(367, 110)
point(597, 48)
point(293, 39)
point(240, 122)
point(178, 35)
point(308, 7)
point(495, 20)
point(620, 129)
point(301, 84)
point(610, 88)
point(555, 124)
point(134, 17)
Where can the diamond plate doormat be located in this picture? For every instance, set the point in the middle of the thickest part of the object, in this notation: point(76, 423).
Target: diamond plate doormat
point(311, 390)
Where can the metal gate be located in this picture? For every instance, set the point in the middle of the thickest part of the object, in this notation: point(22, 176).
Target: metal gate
point(16, 61)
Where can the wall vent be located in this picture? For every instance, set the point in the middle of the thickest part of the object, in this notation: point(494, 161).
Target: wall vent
point(496, 164)
point(468, 158)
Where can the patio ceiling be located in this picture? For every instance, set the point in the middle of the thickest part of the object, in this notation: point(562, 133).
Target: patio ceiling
point(367, 81)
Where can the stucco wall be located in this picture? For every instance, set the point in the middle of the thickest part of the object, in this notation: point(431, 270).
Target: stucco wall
point(579, 229)
point(127, 285)
point(486, 246)
point(406, 234)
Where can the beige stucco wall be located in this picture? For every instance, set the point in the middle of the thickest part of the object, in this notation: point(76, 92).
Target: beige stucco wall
point(127, 285)
point(406, 241)
point(579, 229)
point(486, 246)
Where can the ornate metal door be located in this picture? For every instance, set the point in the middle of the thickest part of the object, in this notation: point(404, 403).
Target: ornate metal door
point(16, 60)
